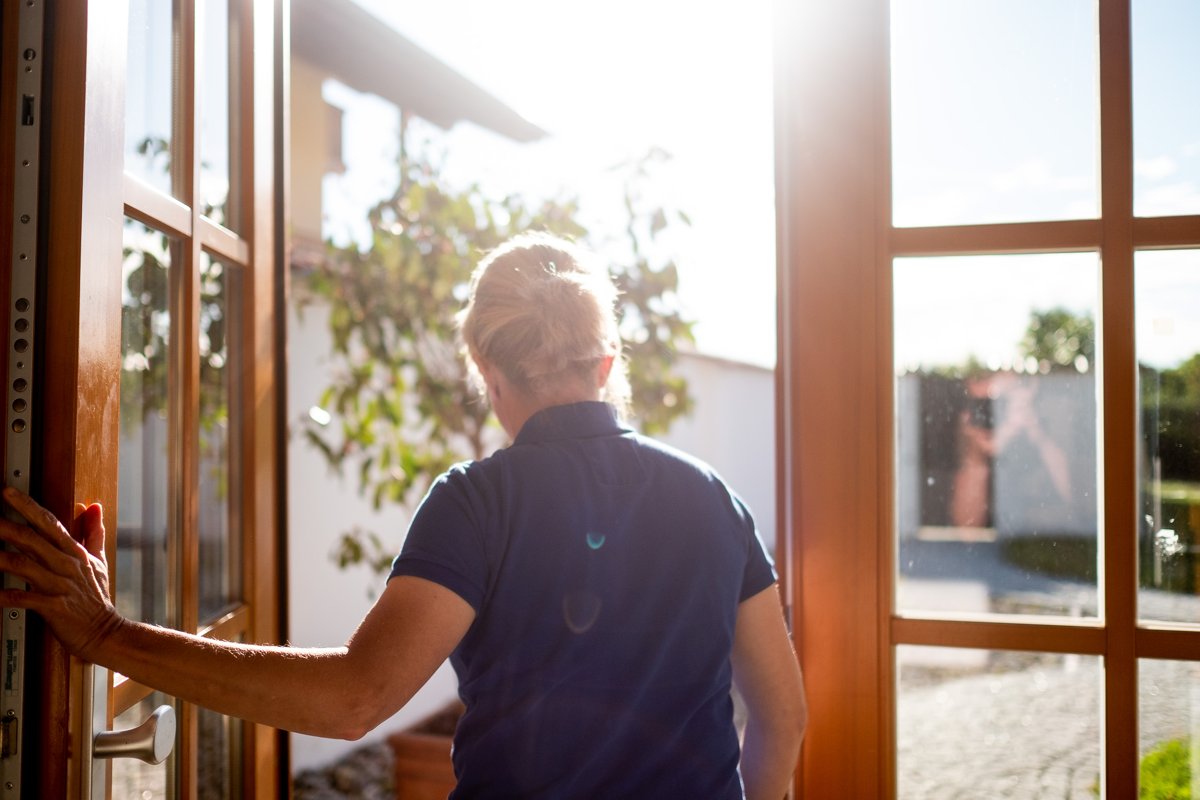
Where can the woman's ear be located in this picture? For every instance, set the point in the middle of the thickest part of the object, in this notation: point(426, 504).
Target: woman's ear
point(603, 370)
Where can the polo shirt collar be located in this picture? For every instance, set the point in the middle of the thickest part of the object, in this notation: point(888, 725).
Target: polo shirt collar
point(572, 421)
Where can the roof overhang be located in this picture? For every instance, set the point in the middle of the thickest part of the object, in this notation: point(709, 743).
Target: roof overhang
point(366, 54)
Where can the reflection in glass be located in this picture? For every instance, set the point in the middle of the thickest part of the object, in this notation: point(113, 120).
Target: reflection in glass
point(1166, 107)
point(1169, 728)
point(992, 723)
point(215, 138)
point(137, 779)
point(994, 111)
point(219, 756)
point(1167, 309)
point(145, 568)
point(996, 434)
point(219, 531)
point(149, 98)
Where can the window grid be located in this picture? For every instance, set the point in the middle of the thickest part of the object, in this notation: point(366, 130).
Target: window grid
point(1115, 236)
point(180, 213)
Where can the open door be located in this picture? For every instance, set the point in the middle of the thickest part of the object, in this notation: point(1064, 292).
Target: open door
point(142, 363)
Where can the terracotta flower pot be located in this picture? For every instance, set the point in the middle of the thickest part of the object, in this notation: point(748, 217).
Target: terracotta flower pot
point(422, 755)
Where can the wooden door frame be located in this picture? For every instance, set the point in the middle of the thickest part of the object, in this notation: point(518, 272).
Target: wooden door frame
point(81, 324)
point(832, 393)
point(264, 394)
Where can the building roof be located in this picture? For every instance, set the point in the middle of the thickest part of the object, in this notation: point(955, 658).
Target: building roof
point(365, 53)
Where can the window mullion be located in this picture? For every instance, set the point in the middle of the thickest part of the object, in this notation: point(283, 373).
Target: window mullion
point(1118, 391)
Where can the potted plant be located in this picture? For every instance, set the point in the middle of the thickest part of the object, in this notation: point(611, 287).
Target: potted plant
point(422, 755)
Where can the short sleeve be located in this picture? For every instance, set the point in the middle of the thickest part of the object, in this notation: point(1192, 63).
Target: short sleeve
point(445, 539)
point(760, 569)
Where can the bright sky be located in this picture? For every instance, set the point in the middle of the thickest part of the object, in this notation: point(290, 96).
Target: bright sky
point(972, 144)
point(608, 81)
point(994, 296)
point(977, 144)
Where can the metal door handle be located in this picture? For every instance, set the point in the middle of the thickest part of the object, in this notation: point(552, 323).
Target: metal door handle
point(151, 741)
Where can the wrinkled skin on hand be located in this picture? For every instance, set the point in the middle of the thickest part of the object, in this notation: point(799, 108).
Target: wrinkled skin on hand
point(68, 578)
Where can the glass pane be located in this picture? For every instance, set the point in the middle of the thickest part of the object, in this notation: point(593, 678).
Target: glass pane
point(219, 757)
point(990, 723)
point(136, 779)
point(145, 566)
point(220, 533)
point(149, 98)
point(994, 111)
point(996, 434)
point(1167, 307)
point(1169, 728)
point(1166, 107)
point(217, 142)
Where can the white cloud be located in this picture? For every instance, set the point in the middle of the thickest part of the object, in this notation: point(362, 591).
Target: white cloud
point(1037, 174)
point(1174, 198)
point(1155, 168)
point(947, 206)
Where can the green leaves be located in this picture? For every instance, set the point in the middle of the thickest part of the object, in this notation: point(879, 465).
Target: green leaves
point(1060, 339)
point(399, 391)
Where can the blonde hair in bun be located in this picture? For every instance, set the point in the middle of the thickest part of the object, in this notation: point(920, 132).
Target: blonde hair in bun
point(543, 311)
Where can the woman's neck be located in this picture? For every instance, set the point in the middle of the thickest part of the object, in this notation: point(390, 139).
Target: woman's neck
point(514, 406)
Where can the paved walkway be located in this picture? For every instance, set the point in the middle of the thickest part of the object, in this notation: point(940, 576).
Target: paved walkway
point(1028, 734)
point(987, 725)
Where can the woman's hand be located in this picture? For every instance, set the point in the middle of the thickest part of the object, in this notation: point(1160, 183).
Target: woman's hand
point(68, 580)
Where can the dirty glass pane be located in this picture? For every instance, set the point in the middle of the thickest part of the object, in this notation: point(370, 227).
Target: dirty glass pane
point(1166, 107)
point(1167, 308)
point(984, 724)
point(132, 778)
point(1169, 728)
point(149, 92)
point(145, 568)
point(219, 756)
point(217, 139)
point(996, 434)
point(995, 114)
point(220, 575)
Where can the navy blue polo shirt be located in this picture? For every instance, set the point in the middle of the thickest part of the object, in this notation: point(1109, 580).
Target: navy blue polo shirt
point(605, 570)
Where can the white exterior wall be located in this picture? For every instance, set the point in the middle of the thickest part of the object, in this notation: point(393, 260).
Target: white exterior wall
point(731, 427)
point(325, 603)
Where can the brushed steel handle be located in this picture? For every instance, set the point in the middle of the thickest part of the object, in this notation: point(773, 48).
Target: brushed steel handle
point(151, 741)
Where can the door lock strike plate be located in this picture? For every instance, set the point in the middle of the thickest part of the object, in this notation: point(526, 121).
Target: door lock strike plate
point(8, 737)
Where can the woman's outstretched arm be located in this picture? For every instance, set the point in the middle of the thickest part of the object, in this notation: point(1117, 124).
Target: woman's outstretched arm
point(340, 692)
point(767, 675)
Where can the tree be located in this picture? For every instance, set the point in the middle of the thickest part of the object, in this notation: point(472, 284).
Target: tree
point(399, 394)
point(1170, 413)
point(1060, 339)
point(1180, 385)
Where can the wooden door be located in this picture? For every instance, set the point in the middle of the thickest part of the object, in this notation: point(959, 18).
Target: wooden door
point(1096, 521)
point(152, 361)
